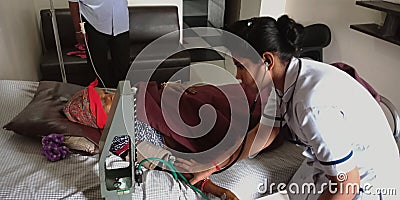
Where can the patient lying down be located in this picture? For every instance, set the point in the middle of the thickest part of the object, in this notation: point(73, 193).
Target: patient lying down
point(91, 106)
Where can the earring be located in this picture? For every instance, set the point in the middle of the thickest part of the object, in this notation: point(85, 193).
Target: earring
point(266, 65)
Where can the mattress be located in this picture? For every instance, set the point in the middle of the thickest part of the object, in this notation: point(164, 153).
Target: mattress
point(26, 174)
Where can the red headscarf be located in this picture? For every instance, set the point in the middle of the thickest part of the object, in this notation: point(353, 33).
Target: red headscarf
point(96, 106)
point(85, 107)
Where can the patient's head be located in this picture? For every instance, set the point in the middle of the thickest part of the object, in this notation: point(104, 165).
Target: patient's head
point(106, 99)
point(89, 107)
point(242, 72)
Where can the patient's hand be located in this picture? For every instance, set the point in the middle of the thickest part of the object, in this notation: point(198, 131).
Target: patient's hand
point(198, 170)
point(220, 192)
point(199, 173)
point(179, 87)
point(229, 195)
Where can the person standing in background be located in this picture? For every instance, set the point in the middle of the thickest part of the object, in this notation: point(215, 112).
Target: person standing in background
point(107, 30)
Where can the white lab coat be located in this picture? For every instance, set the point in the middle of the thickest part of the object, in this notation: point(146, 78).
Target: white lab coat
point(341, 125)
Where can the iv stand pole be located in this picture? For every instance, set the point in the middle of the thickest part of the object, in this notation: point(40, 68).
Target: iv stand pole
point(57, 39)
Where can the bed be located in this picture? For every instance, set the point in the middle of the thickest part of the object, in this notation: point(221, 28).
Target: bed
point(26, 174)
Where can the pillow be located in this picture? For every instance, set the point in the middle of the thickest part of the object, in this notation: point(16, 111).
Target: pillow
point(81, 145)
point(44, 116)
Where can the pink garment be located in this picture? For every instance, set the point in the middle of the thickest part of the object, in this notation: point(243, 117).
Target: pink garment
point(352, 72)
point(81, 51)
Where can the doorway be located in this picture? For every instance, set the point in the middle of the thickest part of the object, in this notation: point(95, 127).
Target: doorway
point(195, 13)
point(210, 13)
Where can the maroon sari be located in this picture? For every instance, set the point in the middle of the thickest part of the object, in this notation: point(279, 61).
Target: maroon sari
point(180, 133)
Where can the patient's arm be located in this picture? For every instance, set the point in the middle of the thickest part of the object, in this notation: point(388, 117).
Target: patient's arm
point(212, 188)
point(259, 138)
point(179, 87)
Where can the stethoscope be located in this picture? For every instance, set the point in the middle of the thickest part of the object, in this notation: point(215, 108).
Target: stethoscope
point(252, 107)
point(296, 140)
point(292, 137)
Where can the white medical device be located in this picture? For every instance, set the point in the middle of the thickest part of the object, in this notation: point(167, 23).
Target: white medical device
point(119, 183)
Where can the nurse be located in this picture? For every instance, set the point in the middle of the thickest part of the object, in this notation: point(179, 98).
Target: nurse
point(349, 148)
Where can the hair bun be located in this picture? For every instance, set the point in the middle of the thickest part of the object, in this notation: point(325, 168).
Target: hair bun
point(290, 31)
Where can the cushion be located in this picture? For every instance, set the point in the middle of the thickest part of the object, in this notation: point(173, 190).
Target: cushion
point(44, 116)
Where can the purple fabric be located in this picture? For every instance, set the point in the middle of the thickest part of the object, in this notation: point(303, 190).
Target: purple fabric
point(352, 72)
point(53, 147)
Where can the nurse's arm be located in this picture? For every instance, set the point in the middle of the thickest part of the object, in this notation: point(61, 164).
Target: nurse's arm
point(342, 190)
point(259, 138)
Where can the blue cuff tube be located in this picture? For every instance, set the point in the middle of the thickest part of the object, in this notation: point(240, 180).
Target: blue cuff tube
point(335, 162)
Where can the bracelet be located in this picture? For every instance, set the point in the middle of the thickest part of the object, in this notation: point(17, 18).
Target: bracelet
point(217, 167)
point(78, 32)
point(163, 85)
point(204, 184)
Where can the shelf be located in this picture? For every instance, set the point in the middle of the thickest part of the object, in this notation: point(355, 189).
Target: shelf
point(384, 6)
point(375, 31)
point(390, 30)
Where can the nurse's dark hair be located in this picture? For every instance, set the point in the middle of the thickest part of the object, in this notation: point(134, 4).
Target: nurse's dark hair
point(265, 34)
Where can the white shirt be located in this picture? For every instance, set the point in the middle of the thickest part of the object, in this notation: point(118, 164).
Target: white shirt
point(110, 17)
point(338, 120)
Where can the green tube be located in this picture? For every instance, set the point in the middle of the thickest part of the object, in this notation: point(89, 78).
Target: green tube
point(174, 172)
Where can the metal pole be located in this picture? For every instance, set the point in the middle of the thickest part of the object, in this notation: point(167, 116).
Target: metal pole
point(57, 39)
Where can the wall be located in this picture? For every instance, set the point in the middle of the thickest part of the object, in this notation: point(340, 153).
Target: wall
point(19, 40)
point(272, 8)
point(45, 4)
point(250, 8)
point(254, 8)
point(376, 60)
